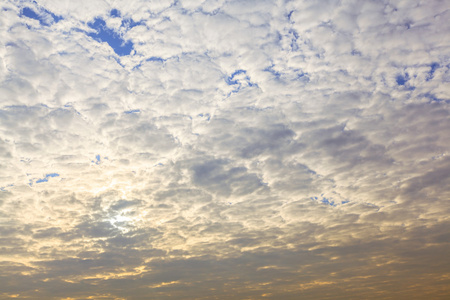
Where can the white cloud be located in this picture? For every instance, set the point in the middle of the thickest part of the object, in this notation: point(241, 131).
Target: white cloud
point(265, 149)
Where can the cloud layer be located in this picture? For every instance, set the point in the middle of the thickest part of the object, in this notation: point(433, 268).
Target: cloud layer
point(224, 150)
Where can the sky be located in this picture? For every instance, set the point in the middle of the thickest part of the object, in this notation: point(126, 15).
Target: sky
point(224, 149)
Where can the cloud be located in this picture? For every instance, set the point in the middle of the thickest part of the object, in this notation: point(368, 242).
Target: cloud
point(227, 149)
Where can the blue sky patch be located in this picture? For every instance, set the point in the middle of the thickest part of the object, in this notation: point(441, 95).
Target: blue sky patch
point(207, 13)
point(115, 41)
point(239, 82)
point(295, 36)
point(207, 116)
point(115, 13)
point(128, 23)
point(154, 58)
point(45, 179)
point(433, 68)
point(289, 15)
point(272, 71)
point(327, 201)
point(402, 79)
point(3, 188)
point(28, 12)
point(433, 98)
point(97, 160)
point(45, 17)
point(231, 79)
point(133, 111)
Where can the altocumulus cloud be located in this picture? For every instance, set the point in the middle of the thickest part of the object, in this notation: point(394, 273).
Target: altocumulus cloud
point(224, 149)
